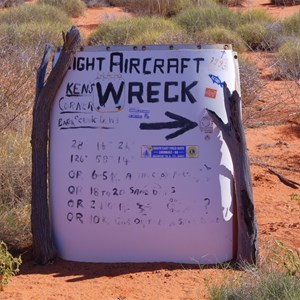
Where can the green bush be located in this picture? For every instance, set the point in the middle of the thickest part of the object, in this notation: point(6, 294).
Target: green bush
point(291, 25)
point(16, 100)
point(275, 278)
point(154, 7)
point(124, 31)
point(259, 30)
point(220, 35)
point(17, 79)
point(73, 8)
point(256, 16)
point(198, 19)
point(34, 35)
point(250, 83)
point(288, 60)
point(177, 6)
point(9, 265)
point(33, 13)
point(232, 3)
point(10, 3)
point(15, 168)
point(149, 37)
point(289, 258)
point(96, 3)
point(270, 285)
point(33, 25)
point(258, 36)
point(15, 188)
point(175, 36)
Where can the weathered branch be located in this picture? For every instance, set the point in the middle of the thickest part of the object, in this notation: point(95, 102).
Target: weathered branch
point(41, 72)
point(43, 246)
point(234, 136)
point(288, 182)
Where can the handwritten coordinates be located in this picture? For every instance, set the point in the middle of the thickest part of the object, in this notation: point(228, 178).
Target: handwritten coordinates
point(104, 188)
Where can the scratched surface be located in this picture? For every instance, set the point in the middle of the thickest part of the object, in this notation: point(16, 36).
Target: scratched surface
point(138, 172)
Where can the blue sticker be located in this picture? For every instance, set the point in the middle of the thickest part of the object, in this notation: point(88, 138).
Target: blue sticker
point(216, 79)
point(136, 113)
point(150, 151)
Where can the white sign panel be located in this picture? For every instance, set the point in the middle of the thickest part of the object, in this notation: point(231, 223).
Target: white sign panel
point(138, 171)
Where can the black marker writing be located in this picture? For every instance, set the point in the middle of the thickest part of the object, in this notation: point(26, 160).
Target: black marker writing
point(180, 122)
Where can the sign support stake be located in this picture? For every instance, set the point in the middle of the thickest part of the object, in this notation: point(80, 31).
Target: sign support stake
point(234, 136)
point(43, 245)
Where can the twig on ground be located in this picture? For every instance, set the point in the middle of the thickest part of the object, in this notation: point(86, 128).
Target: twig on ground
point(288, 182)
point(257, 162)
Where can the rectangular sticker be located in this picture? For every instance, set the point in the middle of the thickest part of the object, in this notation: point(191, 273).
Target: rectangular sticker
point(151, 151)
point(137, 113)
point(210, 93)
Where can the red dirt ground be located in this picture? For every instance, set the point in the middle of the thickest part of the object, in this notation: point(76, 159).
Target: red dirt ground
point(277, 209)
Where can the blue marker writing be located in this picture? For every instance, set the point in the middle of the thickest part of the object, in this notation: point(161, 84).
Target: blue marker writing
point(216, 79)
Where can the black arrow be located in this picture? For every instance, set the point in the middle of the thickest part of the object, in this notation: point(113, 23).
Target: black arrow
point(181, 122)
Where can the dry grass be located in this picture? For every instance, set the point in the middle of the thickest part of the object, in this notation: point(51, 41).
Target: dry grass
point(154, 7)
point(275, 277)
point(15, 188)
point(10, 3)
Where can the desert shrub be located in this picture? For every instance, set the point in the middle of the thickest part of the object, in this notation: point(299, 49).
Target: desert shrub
point(199, 18)
point(177, 36)
point(10, 3)
point(253, 35)
point(258, 36)
point(174, 36)
point(232, 3)
point(33, 25)
point(33, 13)
point(34, 34)
point(274, 36)
point(250, 84)
point(271, 279)
point(220, 35)
point(73, 8)
point(9, 265)
point(15, 188)
point(154, 7)
point(24, 31)
point(291, 25)
point(124, 31)
point(288, 59)
point(17, 79)
point(149, 37)
point(177, 6)
point(95, 3)
point(287, 258)
point(256, 16)
point(121, 3)
point(15, 168)
point(260, 31)
point(257, 285)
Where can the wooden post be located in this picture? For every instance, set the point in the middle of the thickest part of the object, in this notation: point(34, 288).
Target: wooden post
point(234, 136)
point(43, 246)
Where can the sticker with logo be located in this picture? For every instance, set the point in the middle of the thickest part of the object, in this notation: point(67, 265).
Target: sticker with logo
point(192, 151)
point(169, 151)
point(206, 124)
